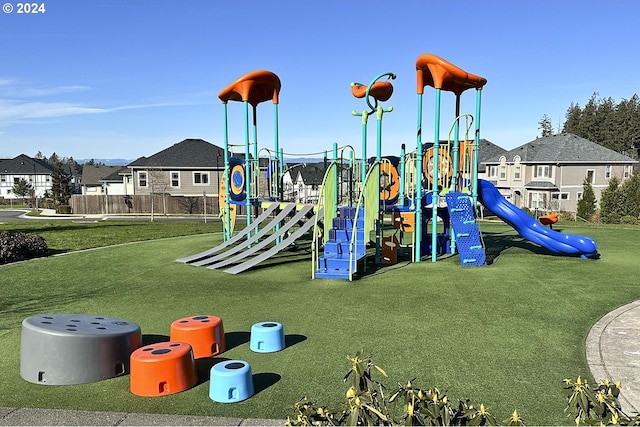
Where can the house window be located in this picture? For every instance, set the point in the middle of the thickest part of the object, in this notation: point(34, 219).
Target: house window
point(542, 171)
point(175, 179)
point(560, 196)
point(536, 200)
point(607, 171)
point(590, 176)
point(493, 171)
point(503, 172)
point(579, 195)
point(517, 172)
point(3, 178)
point(16, 180)
point(142, 179)
point(201, 178)
point(627, 171)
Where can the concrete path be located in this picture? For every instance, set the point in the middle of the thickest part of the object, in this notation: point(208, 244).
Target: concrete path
point(613, 352)
point(63, 417)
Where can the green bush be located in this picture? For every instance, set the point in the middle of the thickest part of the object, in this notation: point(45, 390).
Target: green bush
point(628, 219)
point(64, 209)
point(18, 246)
point(566, 216)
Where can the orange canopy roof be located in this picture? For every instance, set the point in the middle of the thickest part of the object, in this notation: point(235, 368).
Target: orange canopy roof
point(441, 74)
point(254, 87)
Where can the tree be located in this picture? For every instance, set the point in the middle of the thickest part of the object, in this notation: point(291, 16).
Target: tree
point(158, 184)
point(587, 203)
point(612, 202)
point(545, 126)
point(614, 126)
point(60, 190)
point(22, 188)
point(631, 190)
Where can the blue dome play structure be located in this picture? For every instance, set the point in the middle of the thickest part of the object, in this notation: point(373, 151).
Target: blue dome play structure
point(419, 204)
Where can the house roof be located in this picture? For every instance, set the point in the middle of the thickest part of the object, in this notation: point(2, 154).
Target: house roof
point(25, 165)
point(97, 174)
point(312, 173)
point(541, 185)
point(562, 148)
point(189, 153)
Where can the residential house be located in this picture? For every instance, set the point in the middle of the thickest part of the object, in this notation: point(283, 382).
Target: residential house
point(36, 172)
point(192, 167)
point(106, 180)
point(301, 182)
point(548, 173)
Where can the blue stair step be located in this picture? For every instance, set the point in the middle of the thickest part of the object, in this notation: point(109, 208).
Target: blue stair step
point(465, 228)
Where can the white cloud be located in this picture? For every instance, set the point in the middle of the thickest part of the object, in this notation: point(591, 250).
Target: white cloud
point(19, 112)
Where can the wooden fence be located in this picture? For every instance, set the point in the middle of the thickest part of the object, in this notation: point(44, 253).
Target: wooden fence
point(145, 204)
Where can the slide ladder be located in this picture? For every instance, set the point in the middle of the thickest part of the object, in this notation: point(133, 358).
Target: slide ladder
point(465, 229)
point(334, 262)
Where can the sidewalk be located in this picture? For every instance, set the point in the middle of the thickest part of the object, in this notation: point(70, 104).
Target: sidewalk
point(613, 352)
point(63, 417)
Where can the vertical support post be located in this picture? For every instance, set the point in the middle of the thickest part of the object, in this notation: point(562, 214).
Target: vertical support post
point(418, 195)
point(255, 170)
point(335, 173)
point(456, 146)
point(227, 207)
point(401, 174)
point(247, 165)
point(379, 113)
point(276, 148)
point(365, 117)
point(456, 164)
point(436, 164)
point(476, 151)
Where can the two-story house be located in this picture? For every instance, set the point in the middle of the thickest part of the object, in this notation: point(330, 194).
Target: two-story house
point(35, 172)
point(188, 168)
point(548, 173)
point(301, 182)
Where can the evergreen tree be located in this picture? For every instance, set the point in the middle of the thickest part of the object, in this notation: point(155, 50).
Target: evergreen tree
point(22, 188)
point(60, 190)
point(546, 129)
point(612, 202)
point(587, 203)
point(615, 126)
point(631, 190)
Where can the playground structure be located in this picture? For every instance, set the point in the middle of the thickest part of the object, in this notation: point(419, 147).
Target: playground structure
point(420, 203)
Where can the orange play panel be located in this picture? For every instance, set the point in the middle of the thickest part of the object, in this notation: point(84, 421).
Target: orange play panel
point(162, 369)
point(205, 334)
point(549, 219)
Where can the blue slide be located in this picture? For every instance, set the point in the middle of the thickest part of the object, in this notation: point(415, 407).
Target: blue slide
point(532, 230)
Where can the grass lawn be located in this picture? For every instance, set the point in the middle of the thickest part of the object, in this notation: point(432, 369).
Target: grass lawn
point(505, 334)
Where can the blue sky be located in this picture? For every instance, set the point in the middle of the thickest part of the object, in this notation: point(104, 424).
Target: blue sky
point(128, 78)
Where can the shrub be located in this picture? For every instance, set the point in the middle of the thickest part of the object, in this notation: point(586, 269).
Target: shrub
point(566, 216)
point(368, 403)
point(18, 246)
point(628, 219)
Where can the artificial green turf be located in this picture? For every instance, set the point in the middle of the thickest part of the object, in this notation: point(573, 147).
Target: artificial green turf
point(505, 334)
